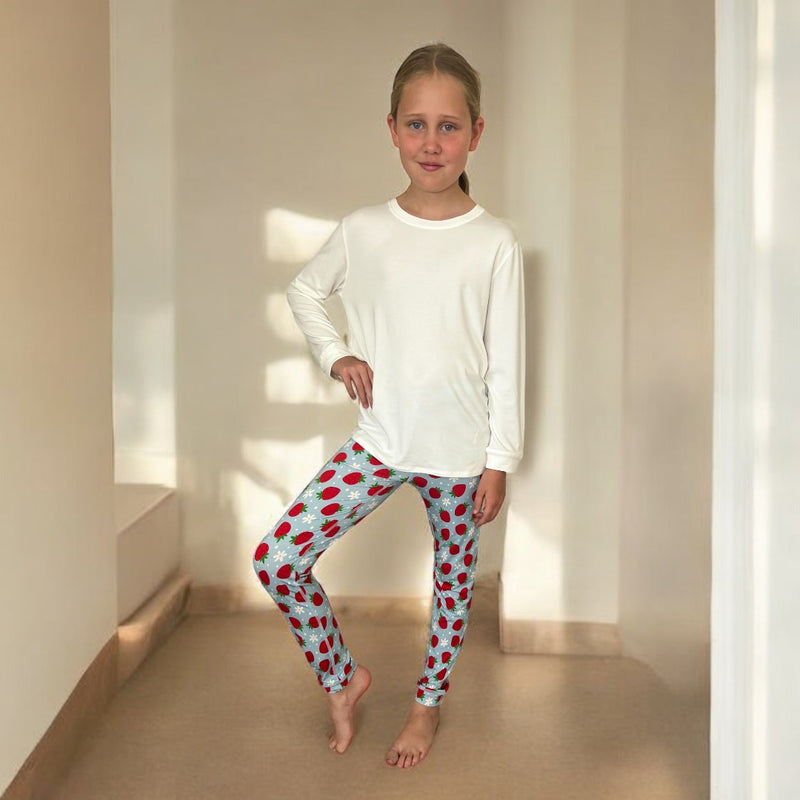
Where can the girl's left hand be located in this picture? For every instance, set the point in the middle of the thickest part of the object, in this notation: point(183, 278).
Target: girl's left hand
point(489, 496)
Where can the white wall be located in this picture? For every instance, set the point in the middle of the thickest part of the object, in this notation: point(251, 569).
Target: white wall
point(665, 539)
point(58, 592)
point(281, 107)
point(563, 183)
point(142, 170)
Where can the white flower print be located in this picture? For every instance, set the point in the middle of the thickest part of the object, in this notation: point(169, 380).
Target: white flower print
point(313, 638)
point(298, 609)
point(354, 495)
point(280, 556)
point(428, 701)
point(308, 493)
point(304, 561)
point(373, 504)
point(460, 612)
point(309, 517)
point(445, 501)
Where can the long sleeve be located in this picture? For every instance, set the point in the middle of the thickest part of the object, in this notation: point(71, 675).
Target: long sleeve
point(504, 337)
point(322, 277)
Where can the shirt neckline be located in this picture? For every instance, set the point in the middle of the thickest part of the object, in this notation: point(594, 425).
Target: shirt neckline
point(433, 224)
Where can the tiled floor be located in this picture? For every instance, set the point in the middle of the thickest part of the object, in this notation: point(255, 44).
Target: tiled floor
point(228, 708)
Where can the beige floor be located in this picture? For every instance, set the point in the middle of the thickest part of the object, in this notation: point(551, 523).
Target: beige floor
point(227, 708)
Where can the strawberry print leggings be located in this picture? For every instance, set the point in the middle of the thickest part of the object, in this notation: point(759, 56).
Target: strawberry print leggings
point(345, 490)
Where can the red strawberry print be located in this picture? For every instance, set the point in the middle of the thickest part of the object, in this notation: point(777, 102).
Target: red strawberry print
point(261, 552)
point(435, 493)
point(306, 548)
point(330, 509)
point(449, 602)
point(316, 599)
point(445, 533)
point(323, 647)
point(420, 481)
point(460, 510)
point(375, 462)
point(301, 538)
point(468, 558)
point(284, 572)
point(283, 607)
point(446, 586)
point(313, 622)
point(442, 623)
point(458, 624)
point(434, 641)
point(385, 490)
point(264, 577)
point(353, 478)
point(446, 656)
point(420, 693)
point(458, 489)
point(455, 641)
point(300, 596)
point(445, 515)
point(431, 662)
point(324, 622)
point(427, 502)
point(298, 508)
point(461, 528)
point(332, 531)
point(309, 657)
point(282, 589)
point(328, 524)
point(447, 568)
point(462, 577)
point(335, 623)
point(357, 448)
point(324, 665)
point(374, 489)
point(328, 492)
point(282, 530)
point(383, 473)
point(469, 544)
point(454, 549)
point(464, 593)
point(295, 623)
point(326, 476)
point(339, 457)
point(441, 674)
point(336, 658)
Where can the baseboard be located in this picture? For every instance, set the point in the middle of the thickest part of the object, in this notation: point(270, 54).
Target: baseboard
point(53, 754)
point(556, 637)
point(217, 599)
point(151, 624)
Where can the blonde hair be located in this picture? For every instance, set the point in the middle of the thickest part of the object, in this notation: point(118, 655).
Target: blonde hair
point(441, 58)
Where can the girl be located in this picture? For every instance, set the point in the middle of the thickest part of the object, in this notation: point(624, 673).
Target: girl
point(432, 289)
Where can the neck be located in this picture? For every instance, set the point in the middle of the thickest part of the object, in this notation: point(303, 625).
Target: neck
point(436, 206)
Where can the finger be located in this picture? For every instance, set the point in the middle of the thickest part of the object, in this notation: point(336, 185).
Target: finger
point(360, 390)
point(348, 384)
point(368, 382)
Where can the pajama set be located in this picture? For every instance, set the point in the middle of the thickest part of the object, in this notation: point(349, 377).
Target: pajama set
point(435, 307)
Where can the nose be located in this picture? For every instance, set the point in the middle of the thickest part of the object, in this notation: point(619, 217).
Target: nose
point(431, 143)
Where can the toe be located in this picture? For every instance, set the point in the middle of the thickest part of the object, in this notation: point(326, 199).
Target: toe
point(392, 757)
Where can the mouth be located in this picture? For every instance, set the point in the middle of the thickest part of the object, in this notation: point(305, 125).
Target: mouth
point(429, 166)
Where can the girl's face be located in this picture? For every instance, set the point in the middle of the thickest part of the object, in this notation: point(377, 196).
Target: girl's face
point(433, 132)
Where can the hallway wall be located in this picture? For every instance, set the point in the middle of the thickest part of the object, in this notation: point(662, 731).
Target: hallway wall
point(669, 225)
point(58, 589)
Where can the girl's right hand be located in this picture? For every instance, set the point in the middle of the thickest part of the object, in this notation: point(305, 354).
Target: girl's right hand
point(356, 375)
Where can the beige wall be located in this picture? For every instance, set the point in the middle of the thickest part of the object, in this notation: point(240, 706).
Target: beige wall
point(668, 130)
point(58, 592)
point(143, 226)
point(281, 107)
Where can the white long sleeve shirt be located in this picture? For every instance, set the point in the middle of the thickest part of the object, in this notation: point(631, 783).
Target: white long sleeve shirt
point(436, 308)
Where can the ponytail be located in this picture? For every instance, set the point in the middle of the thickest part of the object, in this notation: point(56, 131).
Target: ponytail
point(463, 182)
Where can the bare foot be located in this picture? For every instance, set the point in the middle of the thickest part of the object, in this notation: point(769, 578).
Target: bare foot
point(342, 706)
point(416, 738)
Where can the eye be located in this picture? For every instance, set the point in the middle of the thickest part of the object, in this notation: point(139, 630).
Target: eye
point(415, 125)
point(448, 127)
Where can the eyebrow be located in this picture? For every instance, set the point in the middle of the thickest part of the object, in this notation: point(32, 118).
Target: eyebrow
point(421, 114)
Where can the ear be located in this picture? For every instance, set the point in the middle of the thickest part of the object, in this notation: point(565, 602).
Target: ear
point(393, 129)
point(477, 130)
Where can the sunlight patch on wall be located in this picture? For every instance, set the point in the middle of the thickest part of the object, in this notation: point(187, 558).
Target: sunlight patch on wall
point(299, 380)
point(294, 238)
